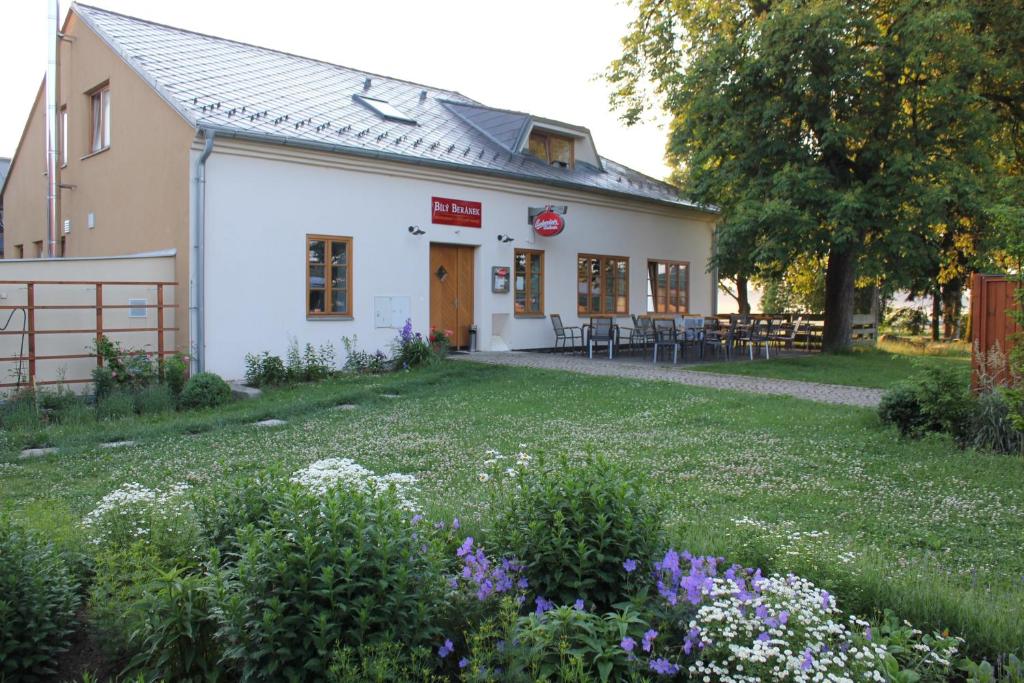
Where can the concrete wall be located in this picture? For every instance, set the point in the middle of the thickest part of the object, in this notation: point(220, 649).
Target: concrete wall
point(262, 200)
point(137, 189)
point(83, 273)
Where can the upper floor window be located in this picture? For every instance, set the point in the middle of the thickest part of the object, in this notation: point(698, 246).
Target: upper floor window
point(63, 136)
point(100, 139)
point(556, 150)
point(328, 275)
point(668, 286)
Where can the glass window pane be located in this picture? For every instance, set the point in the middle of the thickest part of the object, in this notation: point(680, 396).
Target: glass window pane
point(339, 275)
point(105, 95)
point(538, 146)
point(316, 277)
point(561, 151)
point(339, 301)
point(95, 142)
point(316, 251)
point(316, 301)
point(339, 253)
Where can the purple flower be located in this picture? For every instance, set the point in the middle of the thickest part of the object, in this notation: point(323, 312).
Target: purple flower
point(463, 663)
point(445, 649)
point(764, 637)
point(455, 523)
point(466, 548)
point(783, 617)
point(808, 660)
point(649, 639)
point(542, 605)
point(867, 633)
point(663, 667)
point(629, 565)
point(578, 605)
point(826, 600)
point(627, 644)
point(417, 518)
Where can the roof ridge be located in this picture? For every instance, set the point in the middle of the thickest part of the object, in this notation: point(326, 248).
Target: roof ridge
point(274, 50)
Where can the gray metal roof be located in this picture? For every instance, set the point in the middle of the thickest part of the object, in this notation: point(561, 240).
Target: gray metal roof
point(239, 89)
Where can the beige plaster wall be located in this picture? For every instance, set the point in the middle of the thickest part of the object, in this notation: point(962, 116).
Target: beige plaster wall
point(137, 189)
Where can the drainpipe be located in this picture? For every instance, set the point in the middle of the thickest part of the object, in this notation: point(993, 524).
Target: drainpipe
point(53, 17)
point(196, 264)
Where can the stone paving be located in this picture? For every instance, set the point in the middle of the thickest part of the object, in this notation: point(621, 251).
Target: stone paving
point(637, 369)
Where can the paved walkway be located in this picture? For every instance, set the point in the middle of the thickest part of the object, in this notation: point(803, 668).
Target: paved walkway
point(812, 391)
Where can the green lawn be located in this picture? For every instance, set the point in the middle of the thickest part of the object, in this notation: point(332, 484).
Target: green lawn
point(879, 367)
point(823, 491)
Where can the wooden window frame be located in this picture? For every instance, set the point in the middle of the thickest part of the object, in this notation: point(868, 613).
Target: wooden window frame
point(660, 304)
point(102, 128)
point(604, 259)
point(63, 133)
point(546, 136)
point(327, 289)
point(526, 282)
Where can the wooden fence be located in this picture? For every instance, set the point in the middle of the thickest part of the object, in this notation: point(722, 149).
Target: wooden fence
point(865, 328)
point(63, 317)
point(993, 324)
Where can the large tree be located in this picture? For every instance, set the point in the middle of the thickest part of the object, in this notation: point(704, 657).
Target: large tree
point(816, 126)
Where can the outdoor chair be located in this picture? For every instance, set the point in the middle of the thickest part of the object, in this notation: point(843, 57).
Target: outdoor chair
point(642, 334)
point(692, 334)
point(717, 338)
point(566, 336)
point(665, 336)
point(601, 330)
point(783, 336)
point(759, 335)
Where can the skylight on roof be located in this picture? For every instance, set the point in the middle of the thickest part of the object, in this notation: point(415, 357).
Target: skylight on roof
point(384, 109)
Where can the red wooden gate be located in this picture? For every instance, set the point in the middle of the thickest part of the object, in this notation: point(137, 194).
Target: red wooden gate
point(993, 323)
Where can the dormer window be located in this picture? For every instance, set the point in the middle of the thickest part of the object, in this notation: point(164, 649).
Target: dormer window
point(384, 109)
point(556, 150)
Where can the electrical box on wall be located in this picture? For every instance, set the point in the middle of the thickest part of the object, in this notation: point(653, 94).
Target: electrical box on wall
point(390, 311)
point(67, 226)
point(91, 220)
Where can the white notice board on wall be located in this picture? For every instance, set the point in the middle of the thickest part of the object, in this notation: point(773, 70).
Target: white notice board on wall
point(391, 311)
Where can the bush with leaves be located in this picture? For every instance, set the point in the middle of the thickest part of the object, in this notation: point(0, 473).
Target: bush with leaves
point(326, 571)
point(117, 404)
point(311, 364)
point(571, 526)
point(176, 373)
point(384, 663)
point(38, 600)
point(411, 350)
point(204, 390)
point(21, 411)
point(901, 407)
point(363, 361)
point(154, 399)
point(937, 401)
point(264, 370)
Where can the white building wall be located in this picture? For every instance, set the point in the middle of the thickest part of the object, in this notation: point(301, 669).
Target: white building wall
point(260, 207)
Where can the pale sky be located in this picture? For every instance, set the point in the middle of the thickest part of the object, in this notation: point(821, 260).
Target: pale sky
point(539, 56)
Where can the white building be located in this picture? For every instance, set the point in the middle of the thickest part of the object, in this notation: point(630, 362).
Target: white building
point(311, 201)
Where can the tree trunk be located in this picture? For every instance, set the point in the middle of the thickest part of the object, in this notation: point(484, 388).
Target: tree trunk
point(936, 312)
point(840, 274)
point(742, 295)
point(950, 310)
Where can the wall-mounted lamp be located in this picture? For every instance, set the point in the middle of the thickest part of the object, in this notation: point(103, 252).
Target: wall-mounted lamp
point(415, 230)
point(505, 239)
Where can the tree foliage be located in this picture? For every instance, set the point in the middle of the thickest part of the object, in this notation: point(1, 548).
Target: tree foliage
point(858, 133)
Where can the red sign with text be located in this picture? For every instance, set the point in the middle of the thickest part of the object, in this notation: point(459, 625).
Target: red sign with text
point(548, 223)
point(458, 212)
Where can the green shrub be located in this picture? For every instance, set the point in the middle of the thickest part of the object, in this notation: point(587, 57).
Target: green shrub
point(38, 599)
point(262, 370)
point(68, 408)
point(21, 413)
point(156, 398)
point(384, 663)
point(175, 374)
point(344, 569)
point(566, 644)
point(572, 527)
point(311, 364)
point(900, 407)
point(205, 390)
point(992, 427)
point(171, 632)
point(237, 502)
point(363, 361)
point(103, 382)
point(946, 402)
point(115, 405)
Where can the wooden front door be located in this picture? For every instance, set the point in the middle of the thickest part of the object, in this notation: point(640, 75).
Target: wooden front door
point(451, 290)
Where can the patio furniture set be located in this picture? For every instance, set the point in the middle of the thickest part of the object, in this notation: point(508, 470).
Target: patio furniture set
point(724, 337)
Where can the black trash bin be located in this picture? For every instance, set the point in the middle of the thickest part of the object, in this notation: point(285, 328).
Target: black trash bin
point(472, 337)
